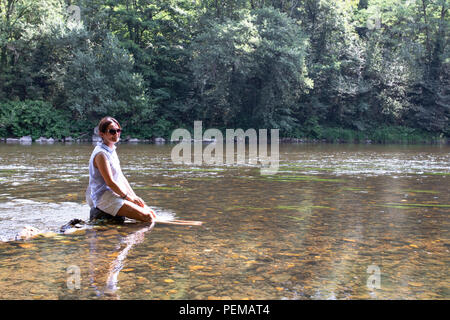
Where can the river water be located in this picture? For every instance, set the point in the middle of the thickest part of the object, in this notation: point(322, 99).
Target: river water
point(335, 222)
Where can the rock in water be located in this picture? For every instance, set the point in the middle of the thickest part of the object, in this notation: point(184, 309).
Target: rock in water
point(27, 233)
point(159, 140)
point(25, 139)
point(72, 226)
point(41, 140)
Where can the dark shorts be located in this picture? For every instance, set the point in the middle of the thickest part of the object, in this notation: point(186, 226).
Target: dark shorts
point(97, 214)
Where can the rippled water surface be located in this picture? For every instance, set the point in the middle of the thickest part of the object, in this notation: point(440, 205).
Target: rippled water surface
point(314, 230)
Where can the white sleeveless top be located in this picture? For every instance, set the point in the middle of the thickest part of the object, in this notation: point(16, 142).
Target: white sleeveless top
point(97, 185)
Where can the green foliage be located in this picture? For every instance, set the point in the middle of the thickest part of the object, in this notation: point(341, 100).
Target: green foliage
point(250, 72)
point(383, 134)
point(401, 135)
point(99, 81)
point(310, 128)
point(405, 63)
point(32, 118)
point(323, 69)
point(333, 134)
point(162, 128)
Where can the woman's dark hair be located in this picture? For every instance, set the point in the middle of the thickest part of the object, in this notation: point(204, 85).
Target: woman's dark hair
point(105, 122)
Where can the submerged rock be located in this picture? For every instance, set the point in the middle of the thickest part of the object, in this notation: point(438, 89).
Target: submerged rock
point(49, 234)
point(28, 232)
point(73, 227)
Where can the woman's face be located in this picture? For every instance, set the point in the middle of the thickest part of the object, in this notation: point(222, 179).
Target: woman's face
point(112, 134)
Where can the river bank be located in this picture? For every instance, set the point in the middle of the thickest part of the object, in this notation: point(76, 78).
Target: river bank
point(338, 140)
point(316, 133)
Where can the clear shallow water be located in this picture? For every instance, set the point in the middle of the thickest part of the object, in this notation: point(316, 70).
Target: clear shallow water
point(309, 232)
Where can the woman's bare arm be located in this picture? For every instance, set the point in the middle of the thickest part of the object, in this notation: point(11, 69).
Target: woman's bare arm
point(102, 164)
point(127, 185)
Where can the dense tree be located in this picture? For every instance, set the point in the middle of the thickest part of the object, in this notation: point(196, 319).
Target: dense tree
point(408, 61)
point(23, 24)
point(335, 63)
point(99, 80)
point(308, 67)
point(250, 72)
point(32, 118)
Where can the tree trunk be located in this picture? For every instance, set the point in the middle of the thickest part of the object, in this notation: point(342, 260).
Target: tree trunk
point(439, 46)
point(427, 34)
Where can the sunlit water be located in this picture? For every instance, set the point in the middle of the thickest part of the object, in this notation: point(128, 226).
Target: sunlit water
point(314, 230)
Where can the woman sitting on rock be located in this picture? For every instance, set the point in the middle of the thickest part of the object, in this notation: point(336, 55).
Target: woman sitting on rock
point(109, 190)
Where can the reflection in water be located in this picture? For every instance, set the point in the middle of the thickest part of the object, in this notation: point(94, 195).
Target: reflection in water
point(309, 232)
point(117, 264)
point(124, 245)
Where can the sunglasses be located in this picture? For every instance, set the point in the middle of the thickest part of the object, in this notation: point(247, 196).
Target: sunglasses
point(114, 131)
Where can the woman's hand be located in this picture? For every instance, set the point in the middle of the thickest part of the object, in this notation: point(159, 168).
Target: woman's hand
point(137, 200)
point(152, 213)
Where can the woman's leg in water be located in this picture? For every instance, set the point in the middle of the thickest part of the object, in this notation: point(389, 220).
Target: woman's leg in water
point(133, 211)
